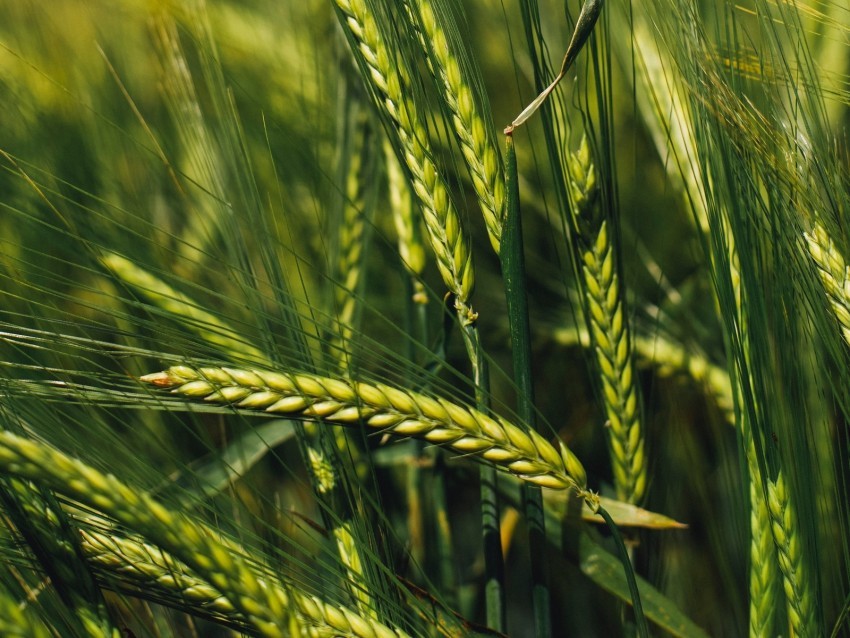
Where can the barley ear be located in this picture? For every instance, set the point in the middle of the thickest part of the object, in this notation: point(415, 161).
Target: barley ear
point(465, 430)
point(407, 225)
point(359, 162)
point(54, 542)
point(609, 329)
point(191, 314)
point(386, 74)
point(833, 273)
point(188, 541)
point(796, 580)
point(763, 566)
point(480, 150)
point(152, 569)
point(262, 604)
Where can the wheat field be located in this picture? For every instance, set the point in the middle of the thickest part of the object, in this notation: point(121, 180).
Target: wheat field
point(402, 318)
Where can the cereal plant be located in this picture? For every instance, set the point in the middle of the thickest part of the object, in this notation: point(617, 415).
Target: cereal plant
point(390, 318)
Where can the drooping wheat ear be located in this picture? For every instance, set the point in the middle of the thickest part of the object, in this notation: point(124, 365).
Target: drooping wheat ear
point(215, 331)
point(834, 274)
point(476, 140)
point(15, 622)
point(796, 580)
point(460, 428)
point(193, 316)
point(407, 225)
point(262, 604)
point(386, 74)
point(609, 328)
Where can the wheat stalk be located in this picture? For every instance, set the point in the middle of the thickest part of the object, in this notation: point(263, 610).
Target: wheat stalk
point(462, 429)
point(386, 74)
point(479, 149)
point(795, 577)
point(261, 603)
point(609, 328)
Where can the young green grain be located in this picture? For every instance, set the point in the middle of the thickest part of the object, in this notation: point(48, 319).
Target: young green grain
point(462, 429)
point(476, 140)
point(263, 604)
point(833, 273)
point(204, 323)
point(609, 327)
point(386, 73)
point(796, 580)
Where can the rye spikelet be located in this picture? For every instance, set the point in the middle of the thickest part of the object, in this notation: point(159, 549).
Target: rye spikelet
point(465, 430)
point(796, 581)
point(479, 149)
point(834, 274)
point(262, 604)
point(387, 74)
point(609, 328)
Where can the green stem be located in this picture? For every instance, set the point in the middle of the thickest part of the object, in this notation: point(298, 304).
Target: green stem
point(446, 564)
point(494, 567)
point(640, 619)
point(416, 323)
point(513, 274)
